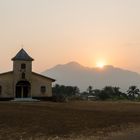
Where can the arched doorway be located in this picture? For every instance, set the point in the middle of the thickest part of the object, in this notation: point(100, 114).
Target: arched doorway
point(23, 89)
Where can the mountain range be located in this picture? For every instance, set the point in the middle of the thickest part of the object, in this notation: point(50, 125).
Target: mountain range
point(74, 74)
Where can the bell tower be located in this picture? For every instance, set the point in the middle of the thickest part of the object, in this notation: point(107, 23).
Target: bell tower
point(22, 67)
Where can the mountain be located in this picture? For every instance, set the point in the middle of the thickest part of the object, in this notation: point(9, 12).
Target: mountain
point(77, 75)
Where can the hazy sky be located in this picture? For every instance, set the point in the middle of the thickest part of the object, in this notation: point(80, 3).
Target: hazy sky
point(59, 31)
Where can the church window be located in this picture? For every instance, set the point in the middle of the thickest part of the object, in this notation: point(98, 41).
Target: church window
point(0, 90)
point(43, 89)
point(23, 75)
point(23, 66)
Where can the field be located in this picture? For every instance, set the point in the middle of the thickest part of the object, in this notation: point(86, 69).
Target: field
point(49, 120)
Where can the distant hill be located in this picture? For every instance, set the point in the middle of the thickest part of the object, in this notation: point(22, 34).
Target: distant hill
point(77, 75)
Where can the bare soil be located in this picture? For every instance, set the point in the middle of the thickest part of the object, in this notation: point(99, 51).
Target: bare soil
point(66, 120)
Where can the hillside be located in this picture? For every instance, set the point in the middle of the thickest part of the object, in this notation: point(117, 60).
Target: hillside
point(77, 75)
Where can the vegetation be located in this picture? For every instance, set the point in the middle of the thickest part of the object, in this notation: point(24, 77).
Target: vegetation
point(64, 93)
point(133, 92)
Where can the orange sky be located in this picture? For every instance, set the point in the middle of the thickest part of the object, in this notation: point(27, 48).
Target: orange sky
point(85, 31)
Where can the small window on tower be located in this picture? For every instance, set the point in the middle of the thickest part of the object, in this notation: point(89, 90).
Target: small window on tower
point(43, 89)
point(23, 75)
point(23, 66)
point(0, 90)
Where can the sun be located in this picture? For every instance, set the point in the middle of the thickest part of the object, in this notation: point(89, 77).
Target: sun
point(100, 64)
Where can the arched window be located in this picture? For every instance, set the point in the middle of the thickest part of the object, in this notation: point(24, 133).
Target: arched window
point(23, 75)
point(23, 66)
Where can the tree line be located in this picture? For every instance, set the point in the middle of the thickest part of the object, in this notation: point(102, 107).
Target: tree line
point(63, 93)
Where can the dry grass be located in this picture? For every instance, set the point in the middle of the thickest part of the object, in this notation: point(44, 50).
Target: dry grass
point(71, 120)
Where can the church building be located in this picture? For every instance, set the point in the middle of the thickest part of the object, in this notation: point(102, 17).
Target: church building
point(22, 82)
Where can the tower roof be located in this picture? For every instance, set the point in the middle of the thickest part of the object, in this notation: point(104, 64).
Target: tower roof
point(22, 55)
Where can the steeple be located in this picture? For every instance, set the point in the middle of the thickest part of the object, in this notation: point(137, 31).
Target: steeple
point(22, 66)
point(23, 56)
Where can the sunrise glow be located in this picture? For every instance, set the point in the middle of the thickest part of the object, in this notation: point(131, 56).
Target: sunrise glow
point(92, 32)
point(100, 64)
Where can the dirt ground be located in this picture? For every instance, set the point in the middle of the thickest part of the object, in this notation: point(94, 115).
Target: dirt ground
point(50, 120)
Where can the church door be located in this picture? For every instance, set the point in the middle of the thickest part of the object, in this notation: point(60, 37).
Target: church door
point(23, 89)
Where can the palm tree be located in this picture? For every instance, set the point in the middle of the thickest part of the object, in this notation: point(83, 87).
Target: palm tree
point(133, 91)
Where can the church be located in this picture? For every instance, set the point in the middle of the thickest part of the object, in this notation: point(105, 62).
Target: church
point(22, 82)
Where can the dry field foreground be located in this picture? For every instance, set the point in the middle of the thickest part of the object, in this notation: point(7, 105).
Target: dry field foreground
point(44, 120)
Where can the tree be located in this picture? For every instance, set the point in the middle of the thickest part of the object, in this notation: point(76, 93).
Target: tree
point(61, 92)
point(90, 90)
point(109, 92)
point(132, 92)
point(117, 91)
point(97, 93)
point(76, 90)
